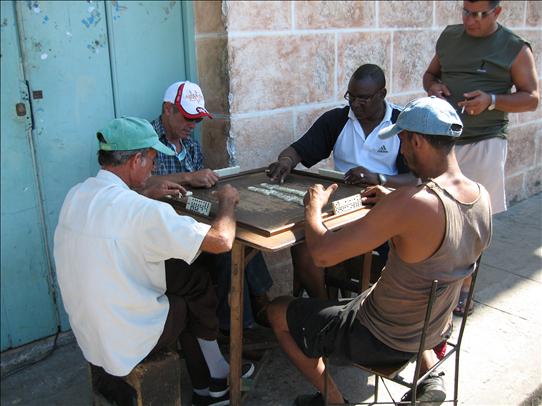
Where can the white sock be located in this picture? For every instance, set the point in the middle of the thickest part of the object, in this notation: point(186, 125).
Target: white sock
point(202, 392)
point(218, 367)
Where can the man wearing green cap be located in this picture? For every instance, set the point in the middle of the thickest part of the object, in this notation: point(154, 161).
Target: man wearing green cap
point(436, 230)
point(111, 244)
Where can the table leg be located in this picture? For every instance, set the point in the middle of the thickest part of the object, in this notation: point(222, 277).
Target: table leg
point(236, 321)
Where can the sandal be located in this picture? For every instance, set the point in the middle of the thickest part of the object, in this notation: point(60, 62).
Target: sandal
point(462, 303)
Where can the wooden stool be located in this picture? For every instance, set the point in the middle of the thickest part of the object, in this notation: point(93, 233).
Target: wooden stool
point(156, 380)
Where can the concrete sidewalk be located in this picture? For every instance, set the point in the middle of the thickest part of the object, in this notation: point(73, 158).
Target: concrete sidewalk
point(501, 362)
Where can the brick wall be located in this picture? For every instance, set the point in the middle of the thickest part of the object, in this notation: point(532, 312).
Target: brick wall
point(269, 69)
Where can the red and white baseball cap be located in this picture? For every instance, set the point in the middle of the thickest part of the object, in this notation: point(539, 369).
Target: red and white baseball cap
point(188, 98)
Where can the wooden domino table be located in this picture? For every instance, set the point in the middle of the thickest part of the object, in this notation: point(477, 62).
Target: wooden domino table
point(264, 223)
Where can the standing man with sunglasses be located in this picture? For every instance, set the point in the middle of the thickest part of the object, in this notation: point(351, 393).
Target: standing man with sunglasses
point(475, 67)
point(351, 133)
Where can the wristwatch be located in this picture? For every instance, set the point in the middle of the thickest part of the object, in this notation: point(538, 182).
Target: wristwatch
point(493, 100)
point(382, 179)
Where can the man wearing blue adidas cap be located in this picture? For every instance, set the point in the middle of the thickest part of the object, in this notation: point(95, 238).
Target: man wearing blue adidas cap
point(436, 230)
point(123, 301)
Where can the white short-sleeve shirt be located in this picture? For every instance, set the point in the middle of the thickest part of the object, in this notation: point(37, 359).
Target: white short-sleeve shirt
point(109, 248)
point(353, 148)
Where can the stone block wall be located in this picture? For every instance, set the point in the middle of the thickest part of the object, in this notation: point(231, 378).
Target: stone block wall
point(268, 69)
point(214, 79)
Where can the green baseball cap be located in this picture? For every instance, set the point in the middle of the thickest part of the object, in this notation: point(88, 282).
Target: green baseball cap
point(129, 133)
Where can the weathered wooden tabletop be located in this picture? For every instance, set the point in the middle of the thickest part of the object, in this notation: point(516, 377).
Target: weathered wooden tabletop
point(268, 215)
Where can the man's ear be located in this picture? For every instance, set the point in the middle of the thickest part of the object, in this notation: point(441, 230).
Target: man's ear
point(419, 141)
point(135, 160)
point(416, 140)
point(498, 10)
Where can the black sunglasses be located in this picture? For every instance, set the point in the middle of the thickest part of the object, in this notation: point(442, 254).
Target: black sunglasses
point(478, 15)
point(362, 99)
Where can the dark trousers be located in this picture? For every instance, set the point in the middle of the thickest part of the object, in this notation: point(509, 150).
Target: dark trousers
point(258, 281)
point(192, 315)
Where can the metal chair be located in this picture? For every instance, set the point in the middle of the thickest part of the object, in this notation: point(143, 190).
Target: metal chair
point(353, 275)
point(392, 372)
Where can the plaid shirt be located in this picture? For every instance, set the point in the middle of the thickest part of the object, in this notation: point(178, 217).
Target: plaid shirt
point(166, 165)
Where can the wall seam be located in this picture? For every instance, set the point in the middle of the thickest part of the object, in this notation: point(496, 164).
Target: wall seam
point(336, 70)
point(211, 35)
point(270, 112)
point(392, 46)
point(230, 141)
point(282, 33)
point(377, 14)
point(292, 15)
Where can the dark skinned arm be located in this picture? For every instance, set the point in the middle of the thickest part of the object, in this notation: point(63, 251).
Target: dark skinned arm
point(286, 161)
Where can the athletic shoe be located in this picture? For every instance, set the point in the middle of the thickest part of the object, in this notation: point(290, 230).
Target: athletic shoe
point(199, 400)
point(219, 387)
point(431, 389)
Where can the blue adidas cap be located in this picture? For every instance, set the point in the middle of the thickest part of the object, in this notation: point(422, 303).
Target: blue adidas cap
point(427, 115)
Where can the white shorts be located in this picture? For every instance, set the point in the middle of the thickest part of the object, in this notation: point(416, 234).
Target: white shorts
point(483, 162)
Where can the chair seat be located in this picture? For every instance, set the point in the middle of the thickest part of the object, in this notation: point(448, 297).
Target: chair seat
point(156, 381)
point(389, 372)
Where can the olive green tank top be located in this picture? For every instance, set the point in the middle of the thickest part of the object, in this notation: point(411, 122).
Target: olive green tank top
point(478, 63)
point(394, 310)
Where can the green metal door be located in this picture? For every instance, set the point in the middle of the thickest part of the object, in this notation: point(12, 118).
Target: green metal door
point(147, 38)
point(66, 63)
point(85, 62)
point(28, 311)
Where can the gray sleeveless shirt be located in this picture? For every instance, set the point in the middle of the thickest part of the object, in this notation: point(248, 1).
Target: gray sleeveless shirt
point(394, 310)
point(485, 63)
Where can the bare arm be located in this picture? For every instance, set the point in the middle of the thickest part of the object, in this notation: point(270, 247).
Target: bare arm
point(403, 179)
point(362, 176)
point(156, 188)
point(329, 248)
point(286, 161)
point(180, 178)
point(222, 232)
point(416, 235)
point(525, 78)
point(431, 80)
point(202, 178)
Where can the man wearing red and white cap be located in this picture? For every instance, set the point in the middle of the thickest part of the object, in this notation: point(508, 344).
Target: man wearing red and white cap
point(182, 110)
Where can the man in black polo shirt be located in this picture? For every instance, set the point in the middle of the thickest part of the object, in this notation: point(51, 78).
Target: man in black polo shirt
point(351, 133)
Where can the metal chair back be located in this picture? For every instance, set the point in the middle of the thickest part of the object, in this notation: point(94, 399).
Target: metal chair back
point(392, 372)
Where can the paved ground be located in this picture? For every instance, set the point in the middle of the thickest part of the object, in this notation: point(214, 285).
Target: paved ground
point(501, 361)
